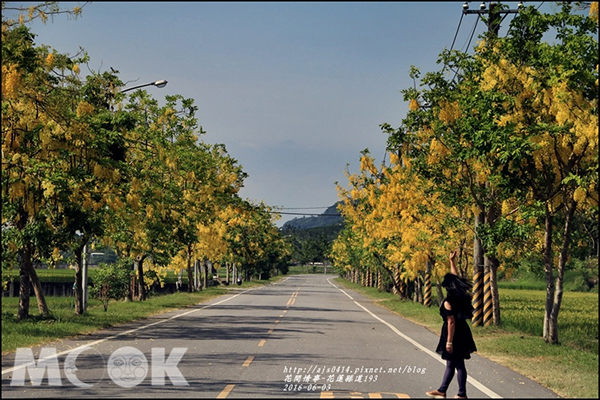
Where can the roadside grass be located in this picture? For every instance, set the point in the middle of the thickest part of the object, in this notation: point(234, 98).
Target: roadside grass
point(64, 323)
point(570, 369)
point(68, 275)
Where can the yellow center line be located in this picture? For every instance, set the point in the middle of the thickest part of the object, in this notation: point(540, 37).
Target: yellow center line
point(293, 298)
point(225, 392)
point(375, 396)
point(270, 331)
point(262, 343)
point(248, 361)
point(276, 321)
point(284, 311)
point(327, 395)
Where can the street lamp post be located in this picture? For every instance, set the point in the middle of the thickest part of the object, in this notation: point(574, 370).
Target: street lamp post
point(159, 84)
point(84, 274)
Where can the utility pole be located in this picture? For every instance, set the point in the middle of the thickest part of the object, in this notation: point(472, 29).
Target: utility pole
point(482, 291)
point(494, 11)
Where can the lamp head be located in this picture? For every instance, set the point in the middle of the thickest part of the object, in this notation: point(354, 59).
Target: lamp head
point(160, 84)
point(482, 6)
point(465, 6)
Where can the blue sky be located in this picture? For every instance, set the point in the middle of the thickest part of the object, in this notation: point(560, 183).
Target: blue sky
point(294, 90)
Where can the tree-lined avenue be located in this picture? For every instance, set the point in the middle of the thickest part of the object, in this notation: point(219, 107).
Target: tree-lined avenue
point(304, 337)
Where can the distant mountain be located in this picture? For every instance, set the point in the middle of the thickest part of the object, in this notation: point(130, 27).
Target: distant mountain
point(331, 217)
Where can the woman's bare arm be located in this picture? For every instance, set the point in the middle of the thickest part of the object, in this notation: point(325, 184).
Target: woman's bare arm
point(451, 328)
point(452, 262)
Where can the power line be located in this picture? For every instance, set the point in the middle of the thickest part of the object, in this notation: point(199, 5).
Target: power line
point(276, 211)
point(302, 208)
point(468, 44)
point(457, 29)
point(312, 215)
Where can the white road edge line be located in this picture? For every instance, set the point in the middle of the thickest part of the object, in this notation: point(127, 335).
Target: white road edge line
point(8, 370)
point(436, 356)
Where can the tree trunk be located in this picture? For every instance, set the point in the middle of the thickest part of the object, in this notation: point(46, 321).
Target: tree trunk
point(478, 274)
point(205, 272)
point(463, 260)
point(24, 267)
point(39, 292)
point(24, 283)
point(493, 267)
point(440, 292)
point(395, 277)
point(131, 285)
point(140, 278)
point(562, 261)
point(427, 288)
point(418, 295)
point(491, 218)
point(548, 266)
point(189, 269)
point(79, 280)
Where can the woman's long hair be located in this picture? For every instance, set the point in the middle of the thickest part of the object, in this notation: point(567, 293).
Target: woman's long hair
point(459, 295)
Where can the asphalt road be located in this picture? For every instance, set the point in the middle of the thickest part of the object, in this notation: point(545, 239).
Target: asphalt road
point(304, 337)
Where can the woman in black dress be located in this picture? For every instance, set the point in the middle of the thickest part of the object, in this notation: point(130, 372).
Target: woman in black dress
point(456, 341)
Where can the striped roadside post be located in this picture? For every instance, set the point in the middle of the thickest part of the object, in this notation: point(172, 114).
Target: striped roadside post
point(427, 299)
point(427, 295)
point(477, 319)
point(487, 299)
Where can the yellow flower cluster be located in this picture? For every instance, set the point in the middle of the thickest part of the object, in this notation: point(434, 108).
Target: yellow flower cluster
point(50, 60)
point(580, 195)
point(84, 108)
point(11, 80)
point(413, 105)
point(449, 112)
point(397, 220)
